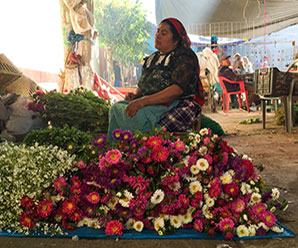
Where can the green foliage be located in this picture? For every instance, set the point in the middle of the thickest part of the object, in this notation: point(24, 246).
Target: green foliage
point(122, 28)
point(250, 121)
point(79, 108)
point(67, 138)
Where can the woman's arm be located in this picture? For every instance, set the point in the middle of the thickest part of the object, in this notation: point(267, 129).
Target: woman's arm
point(131, 96)
point(165, 96)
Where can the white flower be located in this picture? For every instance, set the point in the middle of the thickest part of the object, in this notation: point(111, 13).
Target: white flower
point(277, 229)
point(198, 138)
point(175, 221)
point(186, 149)
point(129, 224)
point(193, 143)
point(175, 187)
point(195, 187)
point(157, 197)
point(210, 202)
point(159, 223)
point(138, 226)
point(194, 169)
point(214, 137)
point(226, 178)
point(245, 188)
point(252, 230)
point(187, 218)
point(203, 150)
point(203, 131)
point(127, 197)
point(202, 164)
point(242, 231)
point(255, 198)
point(275, 193)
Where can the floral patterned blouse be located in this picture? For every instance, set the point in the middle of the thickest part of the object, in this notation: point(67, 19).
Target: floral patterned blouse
point(163, 70)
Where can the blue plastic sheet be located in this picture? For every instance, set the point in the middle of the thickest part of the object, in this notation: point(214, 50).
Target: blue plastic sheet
point(91, 233)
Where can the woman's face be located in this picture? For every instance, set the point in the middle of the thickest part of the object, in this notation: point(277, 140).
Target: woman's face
point(163, 41)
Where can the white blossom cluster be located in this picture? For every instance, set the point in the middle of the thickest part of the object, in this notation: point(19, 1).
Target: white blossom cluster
point(27, 170)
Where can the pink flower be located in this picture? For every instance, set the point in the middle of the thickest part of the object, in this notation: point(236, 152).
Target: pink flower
point(258, 208)
point(179, 145)
point(113, 156)
point(93, 197)
point(268, 218)
point(214, 191)
point(76, 215)
point(81, 165)
point(114, 227)
point(238, 206)
point(60, 183)
point(226, 224)
point(44, 208)
point(75, 182)
point(160, 153)
point(68, 207)
point(229, 235)
point(198, 225)
point(154, 141)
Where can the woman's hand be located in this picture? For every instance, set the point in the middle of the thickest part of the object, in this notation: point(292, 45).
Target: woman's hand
point(132, 108)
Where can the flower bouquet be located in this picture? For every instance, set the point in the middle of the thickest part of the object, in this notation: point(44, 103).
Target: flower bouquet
point(161, 182)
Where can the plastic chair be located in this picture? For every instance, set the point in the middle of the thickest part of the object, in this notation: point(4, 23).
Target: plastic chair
point(226, 94)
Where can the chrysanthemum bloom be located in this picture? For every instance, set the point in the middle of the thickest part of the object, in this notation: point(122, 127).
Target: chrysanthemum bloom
point(157, 197)
point(231, 189)
point(113, 156)
point(226, 224)
point(258, 208)
point(81, 165)
point(175, 221)
point(154, 141)
point(238, 206)
point(229, 235)
point(68, 206)
point(194, 169)
point(198, 225)
point(187, 218)
point(203, 131)
point(117, 134)
point(138, 226)
point(159, 223)
point(127, 136)
point(114, 227)
point(26, 220)
point(214, 190)
point(226, 178)
point(160, 153)
point(59, 183)
point(93, 197)
point(76, 215)
point(179, 145)
point(275, 194)
point(44, 208)
point(194, 187)
point(124, 202)
point(242, 231)
point(203, 164)
point(76, 183)
point(26, 201)
point(203, 150)
point(255, 197)
point(268, 218)
point(100, 142)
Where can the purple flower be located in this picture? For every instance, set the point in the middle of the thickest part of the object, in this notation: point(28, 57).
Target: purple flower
point(266, 196)
point(241, 174)
point(100, 142)
point(261, 231)
point(235, 163)
point(142, 152)
point(117, 134)
point(218, 170)
point(126, 136)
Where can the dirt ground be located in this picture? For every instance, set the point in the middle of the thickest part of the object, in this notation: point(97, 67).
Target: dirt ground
point(272, 147)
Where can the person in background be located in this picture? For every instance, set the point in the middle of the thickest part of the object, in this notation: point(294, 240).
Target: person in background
point(169, 92)
point(227, 72)
point(117, 73)
point(237, 65)
point(247, 65)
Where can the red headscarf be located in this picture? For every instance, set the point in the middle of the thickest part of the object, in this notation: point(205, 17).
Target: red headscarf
point(185, 41)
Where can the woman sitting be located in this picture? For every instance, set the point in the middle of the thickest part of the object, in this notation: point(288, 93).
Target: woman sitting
point(167, 89)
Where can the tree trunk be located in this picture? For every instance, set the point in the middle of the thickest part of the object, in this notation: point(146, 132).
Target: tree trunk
point(110, 65)
point(76, 75)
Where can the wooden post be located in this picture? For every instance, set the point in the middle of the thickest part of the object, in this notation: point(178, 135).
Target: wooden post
point(82, 74)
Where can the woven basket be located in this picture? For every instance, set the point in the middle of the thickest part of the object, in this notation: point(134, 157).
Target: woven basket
point(8, 72)
point(12, 80)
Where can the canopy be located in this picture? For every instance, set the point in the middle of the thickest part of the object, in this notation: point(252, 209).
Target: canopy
point(230, 18)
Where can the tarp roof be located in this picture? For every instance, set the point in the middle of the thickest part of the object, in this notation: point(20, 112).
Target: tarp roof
point(278, 15)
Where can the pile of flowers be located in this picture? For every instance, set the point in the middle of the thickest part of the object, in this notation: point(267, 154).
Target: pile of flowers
point(27, 170)
point(160, 182)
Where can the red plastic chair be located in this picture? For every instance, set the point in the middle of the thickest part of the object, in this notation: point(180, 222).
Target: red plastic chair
point(226, 94)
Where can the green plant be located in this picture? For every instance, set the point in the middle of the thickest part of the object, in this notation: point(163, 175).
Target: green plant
point(79, 108)
point(67, 138)
point(280, 115)
point(250, 121)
